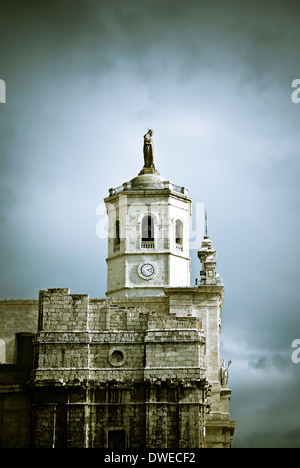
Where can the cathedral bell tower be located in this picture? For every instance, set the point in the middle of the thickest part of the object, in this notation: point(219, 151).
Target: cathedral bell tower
point(148, 233)
point(141, 369)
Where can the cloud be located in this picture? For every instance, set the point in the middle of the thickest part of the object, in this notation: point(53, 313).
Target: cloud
point(278, 361)
point(258, 378)
point(84, 82)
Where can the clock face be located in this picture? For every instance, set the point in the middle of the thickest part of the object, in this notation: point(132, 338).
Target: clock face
point(147, 270)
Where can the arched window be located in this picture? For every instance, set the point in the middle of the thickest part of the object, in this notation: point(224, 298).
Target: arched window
point(147, 232)
point(117, 240)
point(179, 235)
point(117, 232)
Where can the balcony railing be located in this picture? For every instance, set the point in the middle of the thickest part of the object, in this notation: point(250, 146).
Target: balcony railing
point(147, 245)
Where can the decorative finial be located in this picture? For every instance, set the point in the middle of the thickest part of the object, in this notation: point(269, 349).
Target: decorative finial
point(206, 223)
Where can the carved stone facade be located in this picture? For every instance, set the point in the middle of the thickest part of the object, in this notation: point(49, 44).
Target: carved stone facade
point(138, 372)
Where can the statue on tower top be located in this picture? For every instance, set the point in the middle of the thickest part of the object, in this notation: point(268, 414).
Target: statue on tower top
point(148, 149)
point(149, 167)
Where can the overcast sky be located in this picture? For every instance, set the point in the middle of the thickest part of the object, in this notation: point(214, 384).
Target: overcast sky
point(85, 80)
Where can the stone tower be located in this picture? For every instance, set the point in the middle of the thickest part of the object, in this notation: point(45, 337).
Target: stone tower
point(142, 367)
point(148, 246)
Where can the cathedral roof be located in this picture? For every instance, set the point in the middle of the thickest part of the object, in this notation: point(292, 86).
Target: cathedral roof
point(148, 181)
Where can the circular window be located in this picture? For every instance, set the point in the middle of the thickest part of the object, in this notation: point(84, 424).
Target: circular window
point(116, 357)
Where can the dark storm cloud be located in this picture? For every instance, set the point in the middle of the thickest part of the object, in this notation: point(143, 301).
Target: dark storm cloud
point(84, 80)
point(175, 38)
point(277, 361)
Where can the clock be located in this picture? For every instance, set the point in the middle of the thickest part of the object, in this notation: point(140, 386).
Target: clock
point(147, 270)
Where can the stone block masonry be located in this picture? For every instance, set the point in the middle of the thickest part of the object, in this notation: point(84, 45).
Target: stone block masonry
point(127, 371)
point(16, 316)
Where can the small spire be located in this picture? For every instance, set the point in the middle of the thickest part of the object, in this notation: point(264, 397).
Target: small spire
point(205, 222)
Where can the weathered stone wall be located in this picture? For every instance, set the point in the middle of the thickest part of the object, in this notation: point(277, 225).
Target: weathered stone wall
point(147, 366)
point(156, 415)
point(132, 366)
point(14, 418)
point(16, 316)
